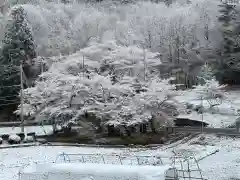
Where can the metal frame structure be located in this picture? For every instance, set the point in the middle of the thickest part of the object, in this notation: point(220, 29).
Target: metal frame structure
point(183, 167)
point(111, 159)
point(186, 169)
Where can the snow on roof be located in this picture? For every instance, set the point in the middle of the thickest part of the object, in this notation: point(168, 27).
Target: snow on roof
point(95, 171)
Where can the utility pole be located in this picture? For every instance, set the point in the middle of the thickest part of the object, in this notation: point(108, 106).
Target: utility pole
point(21, 91)
point(41, 65)
point(144, 61)
point(202, 113)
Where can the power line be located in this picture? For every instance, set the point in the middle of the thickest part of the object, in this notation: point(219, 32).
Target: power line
point(4, 66)
point(9, 96)
point(9, 86)
point(8, 100)
point(9, 104)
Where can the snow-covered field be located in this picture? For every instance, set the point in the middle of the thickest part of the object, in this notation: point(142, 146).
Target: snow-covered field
point(220, 116)
point(221, 165)
point(93, 171)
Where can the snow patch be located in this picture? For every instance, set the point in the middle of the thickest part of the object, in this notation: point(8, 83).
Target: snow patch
point(40, 130)
point(29, 139)
point(77, 171)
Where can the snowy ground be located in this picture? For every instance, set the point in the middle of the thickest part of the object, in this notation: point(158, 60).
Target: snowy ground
point(221, 165)
point(40, 130)
point(220, 116)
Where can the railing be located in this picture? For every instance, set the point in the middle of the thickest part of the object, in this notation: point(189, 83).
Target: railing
point(113, 159)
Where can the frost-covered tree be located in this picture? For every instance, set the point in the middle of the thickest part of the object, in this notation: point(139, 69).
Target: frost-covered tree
point(62, 28)
point(211, 89)
point(68, 98)
point(119, 61)
point(82, 83)
point(205, 74)
point(209, 95)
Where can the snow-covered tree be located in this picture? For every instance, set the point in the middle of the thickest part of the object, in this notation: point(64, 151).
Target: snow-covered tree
point(63, 28)
point(211, 89)
point(206, 97)
point(206, 73)
point(82, 83)
point(62, 97)
point(122, 61)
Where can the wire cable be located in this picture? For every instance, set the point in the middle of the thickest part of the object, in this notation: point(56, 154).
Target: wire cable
point(9, 96)
point(9, 86)
point(9, 104)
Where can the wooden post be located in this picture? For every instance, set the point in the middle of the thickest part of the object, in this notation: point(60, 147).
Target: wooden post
point(166, 132)
point(21, 114)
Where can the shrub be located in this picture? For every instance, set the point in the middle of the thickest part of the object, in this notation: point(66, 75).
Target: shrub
point(28, 139)
point(21, 135)
point(5, 136)
point(14, 139)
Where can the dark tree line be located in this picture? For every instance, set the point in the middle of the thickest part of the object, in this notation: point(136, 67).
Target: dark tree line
point(227, 67)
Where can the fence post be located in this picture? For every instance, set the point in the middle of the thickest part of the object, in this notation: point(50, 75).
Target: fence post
point(83, 159)
point(165, 132)
point(120, 159)
point(19, 175)
point(138, 160)
point(103, 159)
point(160, 159)
point(64, 158)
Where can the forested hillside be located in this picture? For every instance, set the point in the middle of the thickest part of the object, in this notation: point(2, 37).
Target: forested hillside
point(121, 61)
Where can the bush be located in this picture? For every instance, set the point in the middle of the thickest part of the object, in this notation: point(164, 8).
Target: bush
point(21, 135)
point(5, 136)
point(28, 139)
point(33, 135)
point(1, 140)
point(14, 139)
point(142, 139)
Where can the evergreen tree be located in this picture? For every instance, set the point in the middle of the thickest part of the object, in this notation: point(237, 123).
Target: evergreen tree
point(18, 47)
point(206, 74)
point(227, 70)
point(228, 21)
point(18, 44)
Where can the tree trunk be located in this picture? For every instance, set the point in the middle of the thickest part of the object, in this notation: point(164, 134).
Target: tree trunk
point(152, 125)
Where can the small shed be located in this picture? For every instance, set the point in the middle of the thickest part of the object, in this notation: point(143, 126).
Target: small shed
point(189, 122)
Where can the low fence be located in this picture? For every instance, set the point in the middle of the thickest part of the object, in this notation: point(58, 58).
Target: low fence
point(185, 169)
point(112, 159)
